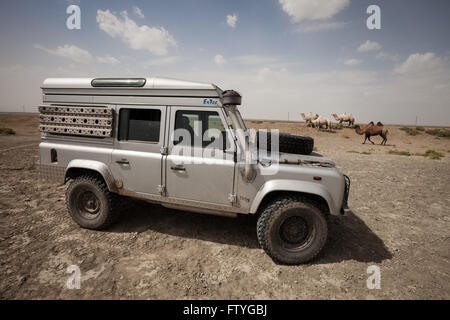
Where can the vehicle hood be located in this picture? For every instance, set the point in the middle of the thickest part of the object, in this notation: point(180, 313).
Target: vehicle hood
point(313, 159)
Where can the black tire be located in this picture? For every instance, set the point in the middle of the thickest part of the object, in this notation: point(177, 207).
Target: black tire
point(292, 230)
point(289, 143)
point(90, 204)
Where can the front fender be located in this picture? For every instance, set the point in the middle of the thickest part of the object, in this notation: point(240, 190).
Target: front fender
point(93, 165)
point(294, 186)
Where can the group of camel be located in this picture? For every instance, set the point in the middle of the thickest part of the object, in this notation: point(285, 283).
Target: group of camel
point(313, 119)
point(316, 121)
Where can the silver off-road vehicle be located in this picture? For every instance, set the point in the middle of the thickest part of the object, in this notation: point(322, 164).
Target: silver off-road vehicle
point(184, 145)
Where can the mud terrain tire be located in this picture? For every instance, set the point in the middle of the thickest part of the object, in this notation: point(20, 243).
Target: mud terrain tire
point(90, 203)
point(289, 143)
point(292, 230)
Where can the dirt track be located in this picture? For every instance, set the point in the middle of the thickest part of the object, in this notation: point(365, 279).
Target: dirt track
point(400, 222)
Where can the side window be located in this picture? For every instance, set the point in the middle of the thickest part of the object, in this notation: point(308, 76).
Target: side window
point(203, 127)
point(215, 126)
point(139, 124)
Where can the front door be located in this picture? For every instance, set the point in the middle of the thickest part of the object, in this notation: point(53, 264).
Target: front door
point(137, 159)
point(200, 164)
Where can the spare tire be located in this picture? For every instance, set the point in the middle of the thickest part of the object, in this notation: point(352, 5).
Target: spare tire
point(289, 143)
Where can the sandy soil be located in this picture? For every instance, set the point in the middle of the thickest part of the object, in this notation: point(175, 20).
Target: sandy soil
point(400, 222)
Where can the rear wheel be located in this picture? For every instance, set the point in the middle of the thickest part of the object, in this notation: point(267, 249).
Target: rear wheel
point(90, 203)
point(292, 230)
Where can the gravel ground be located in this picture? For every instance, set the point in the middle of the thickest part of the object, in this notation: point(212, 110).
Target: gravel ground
point(400, 222)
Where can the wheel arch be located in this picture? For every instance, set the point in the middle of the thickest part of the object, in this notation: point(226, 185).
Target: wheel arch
point(79, 167)
point(275, 188)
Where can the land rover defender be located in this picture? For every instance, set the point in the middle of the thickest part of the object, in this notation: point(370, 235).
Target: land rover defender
point(184, 145)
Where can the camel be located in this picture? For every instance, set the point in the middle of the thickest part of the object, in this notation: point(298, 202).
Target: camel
point(308, 118)
point(373, 130)
point(344, 118)
point(320, 121)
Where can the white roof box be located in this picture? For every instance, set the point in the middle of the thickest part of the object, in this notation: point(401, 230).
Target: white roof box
point(154, 91)
point(143, 83)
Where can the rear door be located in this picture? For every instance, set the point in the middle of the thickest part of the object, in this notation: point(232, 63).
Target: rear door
point(137, 159)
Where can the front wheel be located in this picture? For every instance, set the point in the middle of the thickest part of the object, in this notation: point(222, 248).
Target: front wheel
point(292, 230)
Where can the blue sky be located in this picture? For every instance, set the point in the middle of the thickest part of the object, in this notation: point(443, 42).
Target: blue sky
point(284, 56)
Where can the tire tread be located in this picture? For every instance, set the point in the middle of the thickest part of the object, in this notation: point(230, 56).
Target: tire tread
point(113, 201)
point(267, 215)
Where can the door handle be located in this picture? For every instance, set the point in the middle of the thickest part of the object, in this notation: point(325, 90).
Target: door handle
point(123, 161)
point(178, 168)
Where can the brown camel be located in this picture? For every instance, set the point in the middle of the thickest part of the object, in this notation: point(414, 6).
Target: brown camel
point(373, 130)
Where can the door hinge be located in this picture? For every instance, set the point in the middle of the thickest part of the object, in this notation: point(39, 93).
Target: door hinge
point(164, 151)
point(162, 190)
point(232, 198)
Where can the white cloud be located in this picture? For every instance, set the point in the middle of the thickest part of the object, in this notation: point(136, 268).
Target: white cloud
point(300, 10)
point(156, 40)
point(68, 51)
point(325, 26)
point(254, 59)
point(352, 62)
point(387, 56)
point(420, 63)
point(266, 73)
point(231, 20)
point(369, 46)
point(162, 61)
point(220, 60)
point(138, 12)
point(108, 60)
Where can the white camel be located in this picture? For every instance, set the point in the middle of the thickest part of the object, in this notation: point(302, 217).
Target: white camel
point(344, 118)
point(321, 121)
point(309, 117)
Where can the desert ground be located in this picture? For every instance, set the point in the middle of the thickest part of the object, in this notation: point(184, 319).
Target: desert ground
point(400, 222)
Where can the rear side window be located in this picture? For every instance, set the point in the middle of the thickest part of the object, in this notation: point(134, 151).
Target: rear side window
point(139, 124)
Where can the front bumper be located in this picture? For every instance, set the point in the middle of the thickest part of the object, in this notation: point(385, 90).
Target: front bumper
point(345, 209)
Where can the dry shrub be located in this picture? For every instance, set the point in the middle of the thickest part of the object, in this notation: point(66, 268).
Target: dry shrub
point(6, 131)
point(399, 153)
point(410, 131)
point(442, 133)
